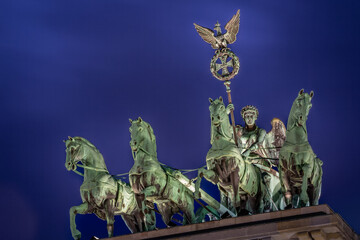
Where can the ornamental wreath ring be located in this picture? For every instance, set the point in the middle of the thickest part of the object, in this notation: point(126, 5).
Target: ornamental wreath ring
point(227, 60)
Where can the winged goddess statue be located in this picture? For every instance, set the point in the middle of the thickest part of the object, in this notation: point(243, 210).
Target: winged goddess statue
point(220, 40)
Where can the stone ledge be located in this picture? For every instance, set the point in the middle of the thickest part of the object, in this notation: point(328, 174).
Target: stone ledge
point(316, 222)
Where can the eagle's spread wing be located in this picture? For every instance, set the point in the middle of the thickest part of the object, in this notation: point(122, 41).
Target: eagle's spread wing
point(206, 34)
point(232, 28)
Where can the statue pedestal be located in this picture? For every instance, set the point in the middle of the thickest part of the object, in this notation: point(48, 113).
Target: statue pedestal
point(316, 222)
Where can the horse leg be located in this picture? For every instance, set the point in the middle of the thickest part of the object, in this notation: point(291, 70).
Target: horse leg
point(285, 186)
point(307, 170)
point(317, 192)
point(109, 213)
point(189, 216)
point(256, 203)
point(266, 191)
point(130, 222)
point(235, 181)
point(166, 213)
point(81, 209)
point(148, 191)
point(311, 193)
point(150, 220)
point(140, 200)
point(243, 201)
point(316, 183)
point(188, 210)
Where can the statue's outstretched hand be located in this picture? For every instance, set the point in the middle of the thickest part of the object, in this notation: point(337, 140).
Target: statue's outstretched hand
point(229, 108)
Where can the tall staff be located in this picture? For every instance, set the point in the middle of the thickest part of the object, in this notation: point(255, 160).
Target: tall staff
point(225, 64)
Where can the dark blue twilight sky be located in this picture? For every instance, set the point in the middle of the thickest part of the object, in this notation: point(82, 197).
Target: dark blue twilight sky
point(82, 68)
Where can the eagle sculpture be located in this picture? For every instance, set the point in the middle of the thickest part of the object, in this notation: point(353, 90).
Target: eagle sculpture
point(220, 40)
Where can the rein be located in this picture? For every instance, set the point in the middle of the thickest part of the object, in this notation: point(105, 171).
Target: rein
point(87, 167)
point(142, 149)
point(77, 172)
point(92, 168)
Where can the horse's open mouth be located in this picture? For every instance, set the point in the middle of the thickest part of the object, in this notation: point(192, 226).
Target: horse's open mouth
point(216, 124)
point(300, 122)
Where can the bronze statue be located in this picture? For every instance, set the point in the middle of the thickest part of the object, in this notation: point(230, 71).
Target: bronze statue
point(239, 181)
point(250, 136)
point(256, 145)
point(225, 64)
point(153, 182)
point(259, 148)
point(273, 141)
point(101, 193)
point(220, 40)
point(300, 169)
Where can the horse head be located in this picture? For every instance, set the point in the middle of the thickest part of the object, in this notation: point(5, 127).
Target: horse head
point(142, 137)
point(79, 149)
point(300, 109)
point(219, 118)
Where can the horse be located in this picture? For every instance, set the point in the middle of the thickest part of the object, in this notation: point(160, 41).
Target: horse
point(240, 183)
point(101, 193)
point(300, 170)
point(152, 182)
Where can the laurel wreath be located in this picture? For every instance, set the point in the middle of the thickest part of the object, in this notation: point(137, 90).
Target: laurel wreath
point(236, 64)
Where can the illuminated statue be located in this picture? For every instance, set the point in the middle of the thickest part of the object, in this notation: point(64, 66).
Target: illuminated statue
point(239, 182)
point(273, 142)
point(262, 149)
point(220, 40)
point(152, 182)
point(251, 136)
point(300, 169)
point(101, 193)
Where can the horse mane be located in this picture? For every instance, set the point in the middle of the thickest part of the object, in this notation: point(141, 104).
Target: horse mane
point(149, 130)
point(87, 142)
point(223, 131)
point(291, 118)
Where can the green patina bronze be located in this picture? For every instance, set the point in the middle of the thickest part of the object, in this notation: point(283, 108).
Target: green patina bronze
point(241, 162)
point(262, 149)
point(240, 182)
point(101, 193)
point(300, 169)
point(224, 65)
point(154, 182)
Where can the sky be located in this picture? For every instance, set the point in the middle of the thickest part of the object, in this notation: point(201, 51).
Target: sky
point(83, 68)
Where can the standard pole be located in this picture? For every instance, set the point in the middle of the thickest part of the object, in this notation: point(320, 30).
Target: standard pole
point(228, 90)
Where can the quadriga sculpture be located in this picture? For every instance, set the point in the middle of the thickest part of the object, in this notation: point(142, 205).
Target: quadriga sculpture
point(150, 181)
point(300, 169)
point(240, 183)
point(101, 193)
